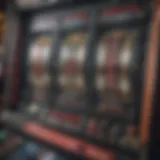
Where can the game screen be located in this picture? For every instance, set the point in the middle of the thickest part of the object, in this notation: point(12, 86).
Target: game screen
point(71, 78)
point(38, 72)
point(114, 64)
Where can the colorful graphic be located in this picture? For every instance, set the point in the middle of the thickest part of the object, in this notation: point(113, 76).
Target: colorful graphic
point(72, 56)
point(114, 62)
point(40, 50)
point(106, 59)
point(38, 74)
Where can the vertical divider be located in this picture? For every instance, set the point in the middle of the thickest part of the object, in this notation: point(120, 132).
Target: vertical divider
point(89, 68)
point(53, 63)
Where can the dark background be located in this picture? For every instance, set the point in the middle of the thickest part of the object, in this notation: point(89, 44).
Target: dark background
point(3, 4)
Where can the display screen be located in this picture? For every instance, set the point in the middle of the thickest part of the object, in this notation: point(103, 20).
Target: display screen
point(114, 62)
point(72, 57)
point(71, 78)
point(43, 22)
point(121, 13)
point(38, 71)
point(40, 49)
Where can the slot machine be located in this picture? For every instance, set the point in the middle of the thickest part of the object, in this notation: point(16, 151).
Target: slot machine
point(79, 76)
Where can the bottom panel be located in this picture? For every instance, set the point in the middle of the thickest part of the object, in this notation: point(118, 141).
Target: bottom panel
point(68, 143)
point(34, 151)
point(76, 146)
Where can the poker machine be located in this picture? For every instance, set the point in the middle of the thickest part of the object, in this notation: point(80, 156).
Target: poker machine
point(81, 75)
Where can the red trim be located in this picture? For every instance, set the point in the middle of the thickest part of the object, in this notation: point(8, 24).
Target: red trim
point(54, 137)
point(68, 143)
point(121, 8)
point(95, 153)
point(80, 15)
point(76, 119)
